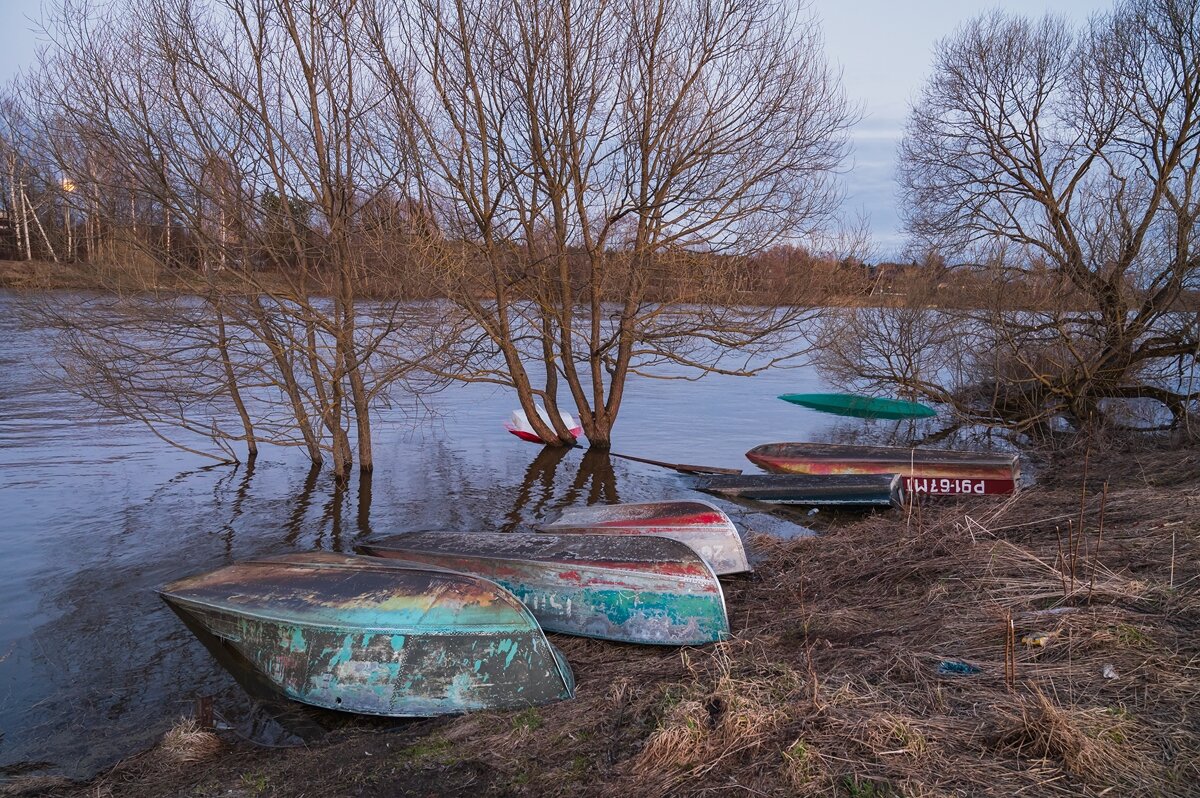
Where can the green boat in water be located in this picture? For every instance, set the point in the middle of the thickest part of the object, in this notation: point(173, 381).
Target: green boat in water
point(846, 404)
point(364, 635)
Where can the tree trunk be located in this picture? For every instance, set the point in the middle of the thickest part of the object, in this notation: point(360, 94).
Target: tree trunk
point(234, 391)
point(360, 401)
point(25, 222)
point(291, 388)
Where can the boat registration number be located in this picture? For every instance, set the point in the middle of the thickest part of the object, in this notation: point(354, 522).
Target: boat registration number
point(948, 485)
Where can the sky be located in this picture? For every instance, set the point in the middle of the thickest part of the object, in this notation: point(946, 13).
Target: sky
point(883, 48)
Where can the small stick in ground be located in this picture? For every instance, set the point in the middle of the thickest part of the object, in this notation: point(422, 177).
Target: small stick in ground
point(1062, 562)
point(1095, 558)
point(1010, 651)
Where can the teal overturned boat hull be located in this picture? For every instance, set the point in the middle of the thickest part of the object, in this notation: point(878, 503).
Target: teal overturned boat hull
point(846, 404)
point(632, 589)
point(372, 637)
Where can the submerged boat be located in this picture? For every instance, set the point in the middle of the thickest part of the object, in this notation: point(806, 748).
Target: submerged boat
point(851, 490)
point(699, 524)
point(847, 404)
point(518, 424)
point(364, 635)
point(630, 589)
point(932, 470)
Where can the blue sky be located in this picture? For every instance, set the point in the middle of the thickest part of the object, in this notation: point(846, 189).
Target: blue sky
point(882, 46)
point(884, 50)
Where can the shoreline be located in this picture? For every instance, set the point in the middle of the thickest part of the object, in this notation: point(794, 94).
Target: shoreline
point(830, 684)
point(38, 276)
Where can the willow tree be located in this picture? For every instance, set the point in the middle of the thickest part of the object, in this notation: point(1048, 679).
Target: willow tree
point(599, 171)
point(251, 129)
point(1065, 162)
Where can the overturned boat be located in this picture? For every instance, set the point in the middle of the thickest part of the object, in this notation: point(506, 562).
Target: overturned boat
point(633, 589)
point(699, 524)
point(364, 635)
point(849, 490)
point(933, 471)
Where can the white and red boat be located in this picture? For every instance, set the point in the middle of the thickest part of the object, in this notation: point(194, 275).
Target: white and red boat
point(519, 424)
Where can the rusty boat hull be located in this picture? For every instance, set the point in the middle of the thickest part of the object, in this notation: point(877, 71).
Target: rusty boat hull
point(846, 490)
point(367, 636)
point(699, 524)
point(828, 458)
point(639, 589)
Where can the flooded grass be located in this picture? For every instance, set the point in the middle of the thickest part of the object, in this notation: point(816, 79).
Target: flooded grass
point(830, 685)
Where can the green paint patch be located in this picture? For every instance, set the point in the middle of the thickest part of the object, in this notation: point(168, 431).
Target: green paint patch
point(345, 653)
point(298, 643)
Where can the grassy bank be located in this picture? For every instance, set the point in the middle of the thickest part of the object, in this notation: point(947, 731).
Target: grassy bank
point(129, 278)
point(831, 685)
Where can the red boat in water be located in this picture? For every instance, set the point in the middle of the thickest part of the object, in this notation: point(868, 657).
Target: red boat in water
point(519, 425)
point(927, 471)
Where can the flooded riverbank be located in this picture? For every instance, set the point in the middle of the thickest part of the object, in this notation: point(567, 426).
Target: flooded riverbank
point(877, 659)
point(99, 513)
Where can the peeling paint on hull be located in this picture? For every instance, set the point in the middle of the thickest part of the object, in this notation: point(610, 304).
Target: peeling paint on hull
point(699, 524)
point(828, 458)
point(642, 589)
point(361, 635)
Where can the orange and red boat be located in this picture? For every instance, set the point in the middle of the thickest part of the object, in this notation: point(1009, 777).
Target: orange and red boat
point(925, 471)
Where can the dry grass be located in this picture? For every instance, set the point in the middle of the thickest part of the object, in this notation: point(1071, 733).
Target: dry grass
point(830, 686)
point(186, 742)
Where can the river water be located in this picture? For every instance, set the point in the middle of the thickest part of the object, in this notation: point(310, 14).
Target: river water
point(96, 513)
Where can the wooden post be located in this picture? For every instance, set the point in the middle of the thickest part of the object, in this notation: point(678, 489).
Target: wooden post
point(204, 712)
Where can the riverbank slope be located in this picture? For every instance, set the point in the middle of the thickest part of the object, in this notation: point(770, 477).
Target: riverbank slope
point(838, 680)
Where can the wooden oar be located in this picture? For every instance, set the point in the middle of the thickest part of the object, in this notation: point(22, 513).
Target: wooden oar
point(682, 468)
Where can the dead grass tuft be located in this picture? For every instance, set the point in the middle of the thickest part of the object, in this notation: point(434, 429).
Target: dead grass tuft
point(680, 740)
point(186, 742)
point(732, 708)
point(1096, 745)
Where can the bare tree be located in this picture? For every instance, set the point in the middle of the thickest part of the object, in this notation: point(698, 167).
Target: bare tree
point(1065, 163)
point(600, 170)
point(251, 125)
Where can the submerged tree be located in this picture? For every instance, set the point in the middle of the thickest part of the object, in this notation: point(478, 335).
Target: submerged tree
point(600, 170)
point(251, 129)
point(1065, 162)
point(584, 182)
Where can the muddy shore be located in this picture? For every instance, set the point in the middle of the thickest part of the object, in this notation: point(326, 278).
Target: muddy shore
point(831, 684)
